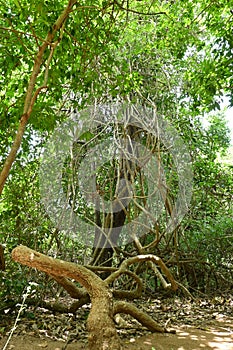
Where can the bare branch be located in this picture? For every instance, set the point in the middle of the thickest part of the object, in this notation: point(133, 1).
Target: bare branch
point(101, 313)
point(70, 287)
point(56, 267)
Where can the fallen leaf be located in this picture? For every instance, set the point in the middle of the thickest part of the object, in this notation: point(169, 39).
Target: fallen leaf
point(43, 345)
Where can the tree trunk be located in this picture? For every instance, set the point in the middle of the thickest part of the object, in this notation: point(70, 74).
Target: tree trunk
point(2, 259)
point(102, 334)
point(114, 221)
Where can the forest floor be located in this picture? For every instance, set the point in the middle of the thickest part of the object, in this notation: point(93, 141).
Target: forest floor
point(199, 324)
point(218, 337)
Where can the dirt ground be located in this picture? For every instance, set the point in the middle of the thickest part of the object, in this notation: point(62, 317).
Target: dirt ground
point(203, 323)
point(217, 337)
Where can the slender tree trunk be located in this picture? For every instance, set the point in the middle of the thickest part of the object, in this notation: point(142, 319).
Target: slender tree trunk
point(31, 95)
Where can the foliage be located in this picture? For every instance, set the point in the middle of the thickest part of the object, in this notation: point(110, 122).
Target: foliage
point(175, 56)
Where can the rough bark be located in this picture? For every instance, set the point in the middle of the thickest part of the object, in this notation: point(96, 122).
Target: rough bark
point(102, 334)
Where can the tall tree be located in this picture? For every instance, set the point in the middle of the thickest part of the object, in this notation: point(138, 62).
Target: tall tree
point(58, 57)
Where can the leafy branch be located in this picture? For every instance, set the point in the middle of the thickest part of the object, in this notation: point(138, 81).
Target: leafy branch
point(31, 96)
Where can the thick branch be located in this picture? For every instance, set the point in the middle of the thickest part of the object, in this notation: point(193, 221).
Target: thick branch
point(26, 256)
point(52, 306)
point(70, 287)
point(102, 331)
point(140, 316)
point(126, 294)
point(139, 258)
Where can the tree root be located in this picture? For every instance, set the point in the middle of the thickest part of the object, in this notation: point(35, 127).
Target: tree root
point(140, 316)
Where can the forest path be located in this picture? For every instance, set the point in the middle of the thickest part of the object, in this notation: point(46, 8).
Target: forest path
point(217, 337)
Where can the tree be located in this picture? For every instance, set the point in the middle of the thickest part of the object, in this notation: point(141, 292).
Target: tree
point(42, 62)
point(60, 57)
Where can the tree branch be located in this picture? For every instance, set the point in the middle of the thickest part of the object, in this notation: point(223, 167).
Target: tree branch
point(70, 287)
point(139, 12)
point(140, 316)
point(56, 267)
point(140, 258)
point(102, 331)
point(30, 98)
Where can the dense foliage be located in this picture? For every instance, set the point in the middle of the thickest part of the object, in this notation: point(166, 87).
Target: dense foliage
point(175, 56)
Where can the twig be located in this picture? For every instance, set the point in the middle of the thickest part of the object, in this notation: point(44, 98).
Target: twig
point(22, 307)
